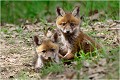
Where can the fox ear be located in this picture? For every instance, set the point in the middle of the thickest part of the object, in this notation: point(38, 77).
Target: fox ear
point(60, 11)
point(36, 40)
point(55, 37)
point(76, 11)
point(48, 32)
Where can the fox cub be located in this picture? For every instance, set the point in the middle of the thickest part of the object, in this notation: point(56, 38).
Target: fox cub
point(72, 37)
point(46, 51)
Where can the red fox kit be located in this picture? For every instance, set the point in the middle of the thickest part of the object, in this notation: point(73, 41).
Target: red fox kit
point(73, 38)
point(46, 51)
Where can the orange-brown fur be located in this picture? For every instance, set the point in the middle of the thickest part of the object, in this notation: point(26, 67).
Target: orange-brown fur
point(67, 18)
point(73, 38)
point(47, 45)
point(46, 51)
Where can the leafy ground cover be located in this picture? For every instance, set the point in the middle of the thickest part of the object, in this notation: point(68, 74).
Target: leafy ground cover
point(17, 54)
point(16, 48)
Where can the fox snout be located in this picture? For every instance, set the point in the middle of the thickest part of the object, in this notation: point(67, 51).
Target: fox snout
point(48, 56)
point(68, 30)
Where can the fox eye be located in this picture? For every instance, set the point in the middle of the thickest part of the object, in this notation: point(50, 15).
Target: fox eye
point(63, 24)
point(44, 51)
point(52, 50)
point(72, 24)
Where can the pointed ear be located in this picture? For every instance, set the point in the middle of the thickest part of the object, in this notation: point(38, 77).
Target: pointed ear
point(54, 37)
point(60, 11)
point(36, 40)
point(76, 11)
point(48, 32)
point(45, 31)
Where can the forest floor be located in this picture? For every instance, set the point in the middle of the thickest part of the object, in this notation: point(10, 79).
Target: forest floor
point(16, 53)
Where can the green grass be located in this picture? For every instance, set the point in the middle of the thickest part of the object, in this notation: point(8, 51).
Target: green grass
point(89, 57)
point(51, 68)
point(21, 76)
point(14, 11)
point(58, 68)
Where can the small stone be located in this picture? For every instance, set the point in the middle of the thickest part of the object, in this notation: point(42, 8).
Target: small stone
point(86, 64)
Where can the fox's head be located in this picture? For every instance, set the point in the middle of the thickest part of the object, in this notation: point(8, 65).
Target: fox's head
point(46, 48)
point(68, 22)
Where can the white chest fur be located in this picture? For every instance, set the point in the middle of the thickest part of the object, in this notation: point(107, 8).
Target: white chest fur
point(39, 62)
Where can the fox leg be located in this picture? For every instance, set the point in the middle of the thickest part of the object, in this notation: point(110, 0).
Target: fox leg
point(57, 60)
point(63, 50)
point(69, 55)
point(60, 56)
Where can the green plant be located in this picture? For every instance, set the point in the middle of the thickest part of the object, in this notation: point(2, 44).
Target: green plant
point(13, 11)
point(51, 68)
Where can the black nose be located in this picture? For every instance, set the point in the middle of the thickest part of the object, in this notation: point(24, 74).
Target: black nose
point(67, 31)
point(49, 58)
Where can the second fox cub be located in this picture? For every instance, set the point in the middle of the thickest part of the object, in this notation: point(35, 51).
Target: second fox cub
point(73, 38)
point(46, 51)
